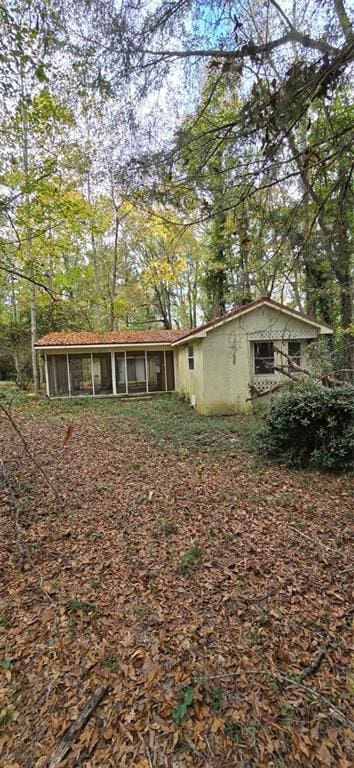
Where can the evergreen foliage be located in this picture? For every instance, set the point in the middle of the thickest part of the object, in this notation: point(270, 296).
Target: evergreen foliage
point(310, 426)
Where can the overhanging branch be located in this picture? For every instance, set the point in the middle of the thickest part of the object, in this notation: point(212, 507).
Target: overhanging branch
point(249, 49)
point(15, 272)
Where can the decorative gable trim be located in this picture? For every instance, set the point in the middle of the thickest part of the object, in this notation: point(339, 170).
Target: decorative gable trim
point(286, 335)
point(322, 328)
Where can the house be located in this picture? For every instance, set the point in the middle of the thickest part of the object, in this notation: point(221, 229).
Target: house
point(213, 365)
point(109, 363)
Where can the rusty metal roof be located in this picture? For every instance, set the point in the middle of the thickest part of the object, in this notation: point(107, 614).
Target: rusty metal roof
point(87, 338)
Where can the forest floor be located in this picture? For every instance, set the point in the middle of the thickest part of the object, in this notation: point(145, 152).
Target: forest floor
point(209, 592)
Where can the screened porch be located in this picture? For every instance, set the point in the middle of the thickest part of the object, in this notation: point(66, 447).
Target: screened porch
point(109, 373)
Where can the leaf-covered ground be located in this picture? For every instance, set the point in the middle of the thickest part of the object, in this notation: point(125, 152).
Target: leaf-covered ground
point(209, 592)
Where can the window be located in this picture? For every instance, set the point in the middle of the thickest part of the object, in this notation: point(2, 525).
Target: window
point(294, 351)
point(264, 357)
point(191, 358)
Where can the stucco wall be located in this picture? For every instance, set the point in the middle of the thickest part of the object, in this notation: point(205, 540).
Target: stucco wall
point(224, 365)
point(189, 382)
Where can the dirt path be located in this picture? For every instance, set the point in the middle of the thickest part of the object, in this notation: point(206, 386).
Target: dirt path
point(198, 587)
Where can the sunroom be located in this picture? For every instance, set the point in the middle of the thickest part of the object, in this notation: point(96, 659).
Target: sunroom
point(125, 363)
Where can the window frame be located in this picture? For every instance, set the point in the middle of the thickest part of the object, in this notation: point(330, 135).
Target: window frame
point(190, 353)
point(258, 359)
point(297, 358)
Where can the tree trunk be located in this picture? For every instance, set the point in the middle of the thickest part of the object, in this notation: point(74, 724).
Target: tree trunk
point(33, 310)
point(246, 294)
point(92, 234)
point(114, 274)
point(163, 310)
point(337, 246)
point(216, 276)
point(28, 233)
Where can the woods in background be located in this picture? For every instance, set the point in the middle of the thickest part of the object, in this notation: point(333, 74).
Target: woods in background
point(128, 200)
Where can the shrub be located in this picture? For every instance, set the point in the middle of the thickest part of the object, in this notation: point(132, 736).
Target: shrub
point(310, 426)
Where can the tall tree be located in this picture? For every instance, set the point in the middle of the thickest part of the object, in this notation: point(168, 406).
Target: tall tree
point(27, 38)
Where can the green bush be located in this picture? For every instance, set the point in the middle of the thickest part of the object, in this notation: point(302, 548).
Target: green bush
point(310, 426)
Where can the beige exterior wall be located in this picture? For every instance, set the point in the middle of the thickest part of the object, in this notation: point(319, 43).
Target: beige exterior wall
point(190, 383)
point(224, 359)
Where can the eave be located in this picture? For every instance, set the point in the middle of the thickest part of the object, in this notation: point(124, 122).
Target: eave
point(89, 347)
point(322, 329)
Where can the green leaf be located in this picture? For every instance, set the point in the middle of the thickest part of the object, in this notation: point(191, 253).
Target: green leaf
point(188, 696)
point(180, 711)
point(41, 73)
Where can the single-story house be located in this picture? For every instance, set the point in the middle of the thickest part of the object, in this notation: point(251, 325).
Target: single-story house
point(212, 365)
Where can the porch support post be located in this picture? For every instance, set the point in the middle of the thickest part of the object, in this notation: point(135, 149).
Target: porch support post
point(165, 367)
point(92, 376)
point(46, 375)
point(113, 370)
point(55, 374)
point(174, 370)
point(146, 372)
point(126, 371)
point(68, 369)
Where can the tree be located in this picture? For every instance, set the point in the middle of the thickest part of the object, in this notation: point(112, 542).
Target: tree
point(27, 39)
point(288, 74)
point(166, 258)
point(43, 227)
point(245, 191)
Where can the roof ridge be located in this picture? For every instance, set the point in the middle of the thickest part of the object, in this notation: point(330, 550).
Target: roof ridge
point(250, 305)
point(161, 335)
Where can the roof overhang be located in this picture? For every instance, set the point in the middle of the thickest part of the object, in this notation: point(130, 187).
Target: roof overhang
point(185, 339)
point(321, 328)
point(158, 345)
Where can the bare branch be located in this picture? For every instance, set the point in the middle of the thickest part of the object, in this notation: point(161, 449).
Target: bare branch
point(249, 49)
point(77, 726)
point(255, 392)
point(11, 271)
point(282, 13)
point(283, 370)
point(291, 362)
point(23, 552)
point(30, 454)
point(344, 19)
